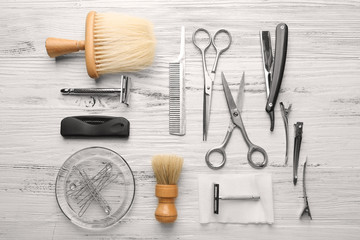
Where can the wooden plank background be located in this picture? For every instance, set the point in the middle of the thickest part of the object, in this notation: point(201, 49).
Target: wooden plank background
point(321, 81)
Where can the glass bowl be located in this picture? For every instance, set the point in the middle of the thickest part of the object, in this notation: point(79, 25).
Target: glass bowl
point(95, 188)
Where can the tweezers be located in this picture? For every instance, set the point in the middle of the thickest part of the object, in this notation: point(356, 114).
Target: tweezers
point(306, 208)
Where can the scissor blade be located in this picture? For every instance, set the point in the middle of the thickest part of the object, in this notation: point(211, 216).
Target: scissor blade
point(240, 95)
point(208, 86)
point(206, 114)
point(229, 98)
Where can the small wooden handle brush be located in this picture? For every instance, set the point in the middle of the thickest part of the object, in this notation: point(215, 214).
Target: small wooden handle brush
point(113, 43)
point(167, 169)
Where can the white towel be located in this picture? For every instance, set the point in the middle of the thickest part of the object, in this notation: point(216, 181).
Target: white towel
point(236, 211)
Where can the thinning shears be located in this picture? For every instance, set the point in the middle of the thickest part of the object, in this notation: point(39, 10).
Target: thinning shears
point(236, 122)
point(209, 79)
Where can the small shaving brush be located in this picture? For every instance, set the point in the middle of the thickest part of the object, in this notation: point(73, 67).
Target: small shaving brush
point(113, 43)
point(167, 169)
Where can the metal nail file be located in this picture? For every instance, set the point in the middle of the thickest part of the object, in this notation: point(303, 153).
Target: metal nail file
point(177, 120)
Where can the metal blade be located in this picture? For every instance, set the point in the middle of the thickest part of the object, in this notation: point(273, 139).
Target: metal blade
point(240, 94)
point(206, 115)
point(267, 57)
point(229, 99)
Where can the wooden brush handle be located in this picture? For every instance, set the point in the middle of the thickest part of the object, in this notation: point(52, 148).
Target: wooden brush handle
point(166, 210)
point(56, 46)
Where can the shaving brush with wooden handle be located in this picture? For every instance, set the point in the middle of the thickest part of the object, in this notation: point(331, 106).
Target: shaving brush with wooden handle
point(113, 43)
point(167, 169)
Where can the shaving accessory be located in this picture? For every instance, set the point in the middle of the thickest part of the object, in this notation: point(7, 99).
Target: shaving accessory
point(242, 198)
point(297, 144)
point(285, 111)
point(235, 109)
point(306, 208)
point(95, 188)
point(177, 120)
point(273, 66)
point(123, 91)
point(167, 169)
point(209, 78)
point(95, 126)
point(218, 197)
point(113, 43)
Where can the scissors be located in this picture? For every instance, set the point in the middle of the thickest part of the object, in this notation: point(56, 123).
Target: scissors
point(209, 79)
point(236, 122)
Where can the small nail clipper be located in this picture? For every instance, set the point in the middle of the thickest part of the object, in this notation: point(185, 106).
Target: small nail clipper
point(306, 208)
point(285, 114)
point(273, 66)
point(297, 144)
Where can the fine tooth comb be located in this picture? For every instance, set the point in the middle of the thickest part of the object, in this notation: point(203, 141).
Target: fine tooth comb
point(177, 120)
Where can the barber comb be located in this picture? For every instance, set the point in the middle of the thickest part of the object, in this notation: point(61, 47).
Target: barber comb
point(113, 43)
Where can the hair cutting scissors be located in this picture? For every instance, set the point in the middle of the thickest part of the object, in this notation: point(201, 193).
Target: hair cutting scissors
point(236, 122)
point(209, 79)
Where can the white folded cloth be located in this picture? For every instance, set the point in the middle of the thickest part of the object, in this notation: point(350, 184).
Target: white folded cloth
point(237, 211)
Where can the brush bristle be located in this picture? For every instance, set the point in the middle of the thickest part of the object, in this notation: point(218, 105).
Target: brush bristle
point(167, 168)
point(122, 43)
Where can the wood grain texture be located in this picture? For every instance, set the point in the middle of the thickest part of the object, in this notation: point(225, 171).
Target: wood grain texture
point(321, 81)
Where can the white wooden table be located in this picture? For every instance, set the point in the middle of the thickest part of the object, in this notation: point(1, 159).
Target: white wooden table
point(321, 81)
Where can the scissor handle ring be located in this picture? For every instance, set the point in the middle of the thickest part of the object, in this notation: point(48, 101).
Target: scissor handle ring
point(214, 37)
point(220, 150)
point(253, 148)
point(195, 42)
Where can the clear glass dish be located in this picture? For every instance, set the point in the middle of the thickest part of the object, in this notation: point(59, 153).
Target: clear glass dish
point(95, 188)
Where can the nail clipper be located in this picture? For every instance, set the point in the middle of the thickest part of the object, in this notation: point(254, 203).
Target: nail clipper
point(273, 66)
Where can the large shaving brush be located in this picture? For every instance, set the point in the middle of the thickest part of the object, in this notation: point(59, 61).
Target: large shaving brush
point(113, 43)
point(167, 169)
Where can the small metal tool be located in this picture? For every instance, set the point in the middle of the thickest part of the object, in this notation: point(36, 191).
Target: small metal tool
point(123, 91)
point(306, 208)
point(273, 66)
point(285, 115)
point(236, 122)
point(209, 80)
point(297, 144)
point(217, 197)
